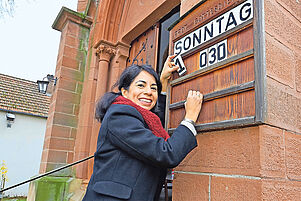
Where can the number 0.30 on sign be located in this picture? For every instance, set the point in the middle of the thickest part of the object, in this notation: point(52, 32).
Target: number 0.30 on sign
point(214, 54)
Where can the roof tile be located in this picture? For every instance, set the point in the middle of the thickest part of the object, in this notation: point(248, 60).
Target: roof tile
point(22, 95)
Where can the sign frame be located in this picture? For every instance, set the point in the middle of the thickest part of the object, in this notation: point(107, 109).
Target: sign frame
point(258, 85)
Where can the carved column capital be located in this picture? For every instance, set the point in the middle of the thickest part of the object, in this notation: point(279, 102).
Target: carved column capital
point(123, 50)
point(105, 52)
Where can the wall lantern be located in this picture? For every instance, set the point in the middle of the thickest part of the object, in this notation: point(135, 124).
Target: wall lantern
point(10, 118)
point(43, 84)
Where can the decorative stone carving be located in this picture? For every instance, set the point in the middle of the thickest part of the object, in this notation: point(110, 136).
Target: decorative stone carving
point(105, 52)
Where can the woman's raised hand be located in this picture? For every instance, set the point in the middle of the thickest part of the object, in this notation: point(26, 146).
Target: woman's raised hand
point(193, 105)
point(168, 68)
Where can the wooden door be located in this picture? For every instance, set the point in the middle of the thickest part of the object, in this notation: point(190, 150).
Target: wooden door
point(144, 48)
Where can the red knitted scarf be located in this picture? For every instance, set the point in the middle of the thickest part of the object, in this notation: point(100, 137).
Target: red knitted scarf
point(151, 119)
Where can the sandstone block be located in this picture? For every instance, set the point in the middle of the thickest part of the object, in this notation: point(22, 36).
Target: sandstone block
point(67, 97)
point(235, 189)
point(70, 73)
point(279, 22)
point(272, 152)
point(283, 107)
point(60, 131)
point(281, 190)
point(44, 156)
point(65, 120)
point(233, 151)
point(292, 6)
point(64, 107)
point(68, 84)
point(280, 63)
point(42, 167)
point(57, 156)
point(73, 133)
point(61, 144)
point(186, 5)
point(70, 62)
point(69, 158)
point(72, 29)
point(71, 41)
point(293, 155)
point(298, 73)
point(70, 52)
point(190, 187)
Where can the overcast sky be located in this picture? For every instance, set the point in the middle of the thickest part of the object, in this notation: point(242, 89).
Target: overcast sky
point(28, 44)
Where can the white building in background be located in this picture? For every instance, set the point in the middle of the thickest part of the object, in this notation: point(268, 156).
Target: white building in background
point(23, 116)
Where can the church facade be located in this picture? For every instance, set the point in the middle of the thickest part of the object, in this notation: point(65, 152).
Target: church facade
point(243, 55)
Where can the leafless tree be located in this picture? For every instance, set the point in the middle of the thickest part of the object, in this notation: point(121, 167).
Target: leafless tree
point(7, 8)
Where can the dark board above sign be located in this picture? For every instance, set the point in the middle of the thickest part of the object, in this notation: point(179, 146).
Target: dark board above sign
point(217, 52)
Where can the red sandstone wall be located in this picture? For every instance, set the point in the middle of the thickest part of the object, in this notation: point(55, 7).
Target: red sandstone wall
point(283, 66)
point(256, 163)
point(225, 166)
point(261, 162)
point(81, 5)
point(186, 5)
point(62, 123)
point(283, 63)
point(139, 15)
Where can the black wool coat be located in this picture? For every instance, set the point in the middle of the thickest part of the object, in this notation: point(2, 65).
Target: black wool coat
point(130, 162)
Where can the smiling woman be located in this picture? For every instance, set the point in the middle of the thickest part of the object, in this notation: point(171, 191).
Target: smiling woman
point(140, 84)
point(133, 149)
point(143, 91)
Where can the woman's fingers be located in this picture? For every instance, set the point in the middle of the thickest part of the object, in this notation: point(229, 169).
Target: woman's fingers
point(170, 57)
point(193, 104)
point(169, 61)
point(168, 68)
point(195, 94)
point(171, 64)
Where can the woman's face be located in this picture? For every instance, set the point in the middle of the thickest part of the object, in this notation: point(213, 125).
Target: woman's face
point(143, 91)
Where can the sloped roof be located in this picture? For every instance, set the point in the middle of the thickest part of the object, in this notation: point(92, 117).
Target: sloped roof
point(21, 95)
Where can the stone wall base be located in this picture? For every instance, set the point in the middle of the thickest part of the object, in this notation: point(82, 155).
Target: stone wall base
point(51, 188)
point(252, 163)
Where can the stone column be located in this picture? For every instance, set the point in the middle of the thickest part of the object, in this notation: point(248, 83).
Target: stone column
point(104, 51)
point(106, 63)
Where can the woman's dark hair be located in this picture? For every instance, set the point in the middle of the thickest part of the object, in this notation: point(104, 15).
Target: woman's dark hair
point(125, 80)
